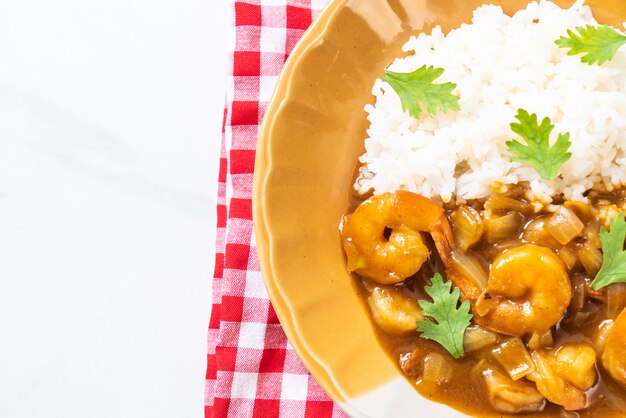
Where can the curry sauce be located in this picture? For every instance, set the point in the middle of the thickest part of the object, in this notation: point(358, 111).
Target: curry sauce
point(583, 324)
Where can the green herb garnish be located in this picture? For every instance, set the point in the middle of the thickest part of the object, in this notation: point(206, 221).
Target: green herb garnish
point(417, 91)
point(448, 323)
point(598, 43)
point(537, 153)
point(613, 268)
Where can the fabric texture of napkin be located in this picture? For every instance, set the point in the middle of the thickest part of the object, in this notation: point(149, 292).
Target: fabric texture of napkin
point(252, 370)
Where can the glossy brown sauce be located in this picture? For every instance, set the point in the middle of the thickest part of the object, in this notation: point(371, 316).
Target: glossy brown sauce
point(464, 390)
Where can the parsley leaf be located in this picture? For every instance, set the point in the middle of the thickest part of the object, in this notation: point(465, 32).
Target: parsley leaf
point(598, 43)
point(417, 91)
point(451, 322)
point(613, 268)
point(537, 153)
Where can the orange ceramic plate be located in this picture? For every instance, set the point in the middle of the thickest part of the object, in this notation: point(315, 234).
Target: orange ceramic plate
point(307, 153)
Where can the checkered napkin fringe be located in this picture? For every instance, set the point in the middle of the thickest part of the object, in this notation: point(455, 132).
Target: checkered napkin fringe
point(252, 370)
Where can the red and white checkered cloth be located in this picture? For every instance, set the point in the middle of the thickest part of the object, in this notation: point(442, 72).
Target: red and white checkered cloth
point(252, 370)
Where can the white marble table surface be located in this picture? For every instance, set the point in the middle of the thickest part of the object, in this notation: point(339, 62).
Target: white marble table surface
point(110, 116)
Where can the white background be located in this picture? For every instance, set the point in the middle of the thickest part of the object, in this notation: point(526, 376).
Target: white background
point(110, 118)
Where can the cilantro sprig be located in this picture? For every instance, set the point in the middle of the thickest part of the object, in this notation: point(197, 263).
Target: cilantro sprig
point(613, 268)
point(537, 152)
point(598, 43)
point(417, 91)
point(448, 323)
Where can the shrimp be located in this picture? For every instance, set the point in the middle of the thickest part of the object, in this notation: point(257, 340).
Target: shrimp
point(614, 355)
point(564, 374)
point(528, 288)
point(507, 395)
point(392, 260)
point(393, 311)
point(527, 291)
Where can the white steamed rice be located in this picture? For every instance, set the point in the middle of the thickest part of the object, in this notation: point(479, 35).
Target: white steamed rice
point(500, 64)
